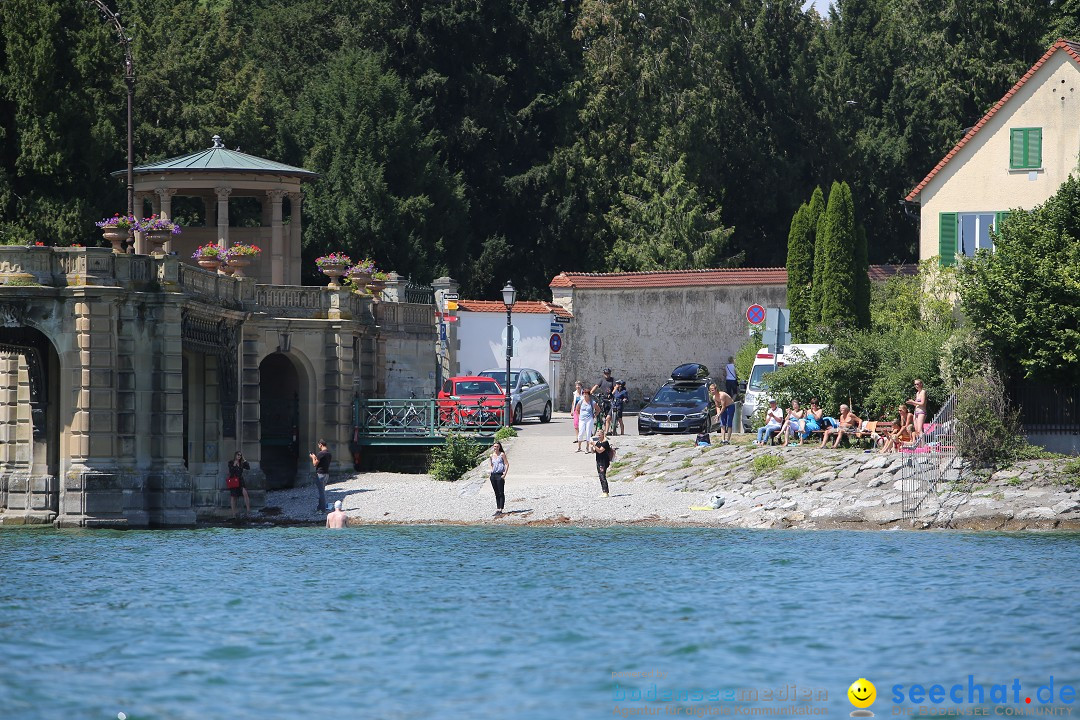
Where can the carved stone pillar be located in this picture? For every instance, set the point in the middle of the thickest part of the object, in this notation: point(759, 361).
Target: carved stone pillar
point(165, 196)
point(277, 241)
point(292, 264)
point(140, 239)
point(223, 216)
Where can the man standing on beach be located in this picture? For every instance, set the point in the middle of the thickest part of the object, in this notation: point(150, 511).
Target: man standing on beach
point(321, 463)
point(725, 412)
point(337, 519)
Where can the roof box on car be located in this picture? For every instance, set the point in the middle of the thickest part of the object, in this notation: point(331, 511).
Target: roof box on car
point(690, 372)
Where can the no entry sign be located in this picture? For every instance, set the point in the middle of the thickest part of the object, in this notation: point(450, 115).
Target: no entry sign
point(755, 314)
point(555, 343)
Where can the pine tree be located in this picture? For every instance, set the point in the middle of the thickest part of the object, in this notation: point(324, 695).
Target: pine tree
point(800, 268)
point(838, 286)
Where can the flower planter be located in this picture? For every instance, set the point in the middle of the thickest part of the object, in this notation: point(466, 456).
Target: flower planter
point(117, 238)
point(209, 264)
point(360, 279)
point(226, 269)
point(376, 287)
point(157, 240)
point(334, 272)
point(238, 263)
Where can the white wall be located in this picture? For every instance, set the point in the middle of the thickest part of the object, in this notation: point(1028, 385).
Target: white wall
point(480, 338)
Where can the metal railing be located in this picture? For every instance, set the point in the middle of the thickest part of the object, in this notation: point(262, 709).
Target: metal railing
point(416, 418)
point(1046, 407)
point(931, 460)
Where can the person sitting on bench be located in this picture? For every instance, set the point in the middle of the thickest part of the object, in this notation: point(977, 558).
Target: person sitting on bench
point(774, 418)
point(848, 423)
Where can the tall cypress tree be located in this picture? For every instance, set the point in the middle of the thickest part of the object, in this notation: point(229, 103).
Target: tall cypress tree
point(862, 279)
point(817, 212)
point(800, 269)
point(838, 287)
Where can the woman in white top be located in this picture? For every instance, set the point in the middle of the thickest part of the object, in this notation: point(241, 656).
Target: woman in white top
point(586, 420)
point(574, 405)
point(774, 419)
point(499, 467)
point(794, 425)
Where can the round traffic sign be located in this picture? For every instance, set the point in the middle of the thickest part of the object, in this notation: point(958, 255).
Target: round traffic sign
point(755, 314)
point(555, 343)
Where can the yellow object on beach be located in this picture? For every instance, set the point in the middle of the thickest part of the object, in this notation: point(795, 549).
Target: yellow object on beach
point(701, 507)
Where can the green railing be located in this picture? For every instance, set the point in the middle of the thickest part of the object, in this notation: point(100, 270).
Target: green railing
point(390, 421)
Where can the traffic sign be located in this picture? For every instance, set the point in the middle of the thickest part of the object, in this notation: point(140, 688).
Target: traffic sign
point(562, 319)
point(450, 296)
point(554, 357)
point(451, 305)
point(755, 314)
point(450, 318)
point(555, 343)
point(556, 327)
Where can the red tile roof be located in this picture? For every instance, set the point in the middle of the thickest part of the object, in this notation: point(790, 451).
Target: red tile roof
point(1072, 49)
point(521, 306)
point(691, 278)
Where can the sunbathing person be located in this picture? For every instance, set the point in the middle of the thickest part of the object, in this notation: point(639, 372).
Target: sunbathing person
point(793, 425)
point(814, 419)
point(903, 430)
point(847, 423)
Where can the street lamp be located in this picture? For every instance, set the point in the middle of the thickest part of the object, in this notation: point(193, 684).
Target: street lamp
point(113, 18)
point(509, 296)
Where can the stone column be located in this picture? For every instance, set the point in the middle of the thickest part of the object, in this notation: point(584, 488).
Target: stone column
point(249, 418)
point(16, 435)
point(277, 240)
point(447, 344)
point(292, 264)
point(210, 207)
point(223, 216)
point(170, 482)
point(140, 239)
point(94, 492)
point(335, 423)
point(166, 196)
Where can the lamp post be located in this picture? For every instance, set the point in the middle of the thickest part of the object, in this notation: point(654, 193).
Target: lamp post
point(509, 296)
point(113, 18)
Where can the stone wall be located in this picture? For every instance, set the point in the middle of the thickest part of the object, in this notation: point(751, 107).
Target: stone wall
point(643, 333)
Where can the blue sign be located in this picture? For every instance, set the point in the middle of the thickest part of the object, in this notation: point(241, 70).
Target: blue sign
point(555, 343)
point(556, 327)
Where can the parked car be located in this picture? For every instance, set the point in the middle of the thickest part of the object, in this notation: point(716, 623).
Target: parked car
point(681, 405)
point(530, 395)
point(471, 400)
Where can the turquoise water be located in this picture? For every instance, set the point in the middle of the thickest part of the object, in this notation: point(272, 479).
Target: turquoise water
point(452, 622)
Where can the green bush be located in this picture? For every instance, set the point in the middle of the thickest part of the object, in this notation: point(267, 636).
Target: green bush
point(455, 457)
point(505, 432)
point(766, 463)
point(744, 357)
point(989, 431)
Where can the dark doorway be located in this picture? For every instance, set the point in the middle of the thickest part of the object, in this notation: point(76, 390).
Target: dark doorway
point(279, 420)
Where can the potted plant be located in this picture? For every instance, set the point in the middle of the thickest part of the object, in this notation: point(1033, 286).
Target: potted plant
point(157, 231)
point(239, 256)
point(333, 266)
point(116, 229)
point(209, 256)
point(377, 284)
point(360, 273)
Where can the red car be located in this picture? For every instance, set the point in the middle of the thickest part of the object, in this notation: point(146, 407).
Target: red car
point(471, 400)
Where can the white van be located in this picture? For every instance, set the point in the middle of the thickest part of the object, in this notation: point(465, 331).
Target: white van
point(764, 363)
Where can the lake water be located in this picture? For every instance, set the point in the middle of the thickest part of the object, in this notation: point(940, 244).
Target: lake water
point(467, 622)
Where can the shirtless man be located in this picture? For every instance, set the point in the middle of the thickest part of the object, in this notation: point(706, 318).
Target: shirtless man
point(725, 412)
point(848, 421)
point(919, 404)
point(337, 519)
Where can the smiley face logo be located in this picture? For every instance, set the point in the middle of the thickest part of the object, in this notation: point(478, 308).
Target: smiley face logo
point(862, 693)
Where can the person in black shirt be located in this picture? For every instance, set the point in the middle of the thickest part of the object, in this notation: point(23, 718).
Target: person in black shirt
point(237, 466)
point(321, 463)
point(602, 448)
point(601, 392)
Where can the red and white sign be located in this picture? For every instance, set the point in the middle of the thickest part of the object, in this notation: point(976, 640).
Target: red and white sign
point(755, 314)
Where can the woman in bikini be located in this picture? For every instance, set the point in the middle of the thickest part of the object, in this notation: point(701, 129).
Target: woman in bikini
point(919, 404)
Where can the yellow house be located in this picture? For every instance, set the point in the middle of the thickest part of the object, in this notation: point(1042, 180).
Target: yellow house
point(1016, 156)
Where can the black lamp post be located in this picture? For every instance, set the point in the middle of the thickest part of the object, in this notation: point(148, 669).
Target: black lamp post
point(509, 297)
point(113, 18)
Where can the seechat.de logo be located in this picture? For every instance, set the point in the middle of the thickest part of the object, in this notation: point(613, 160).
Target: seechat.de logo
point(862, 694)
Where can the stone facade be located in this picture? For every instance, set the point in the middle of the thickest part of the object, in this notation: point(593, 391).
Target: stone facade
point(127, 381)
point(642, 325)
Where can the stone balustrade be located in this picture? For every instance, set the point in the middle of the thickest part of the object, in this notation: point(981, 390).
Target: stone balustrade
point(50, 267)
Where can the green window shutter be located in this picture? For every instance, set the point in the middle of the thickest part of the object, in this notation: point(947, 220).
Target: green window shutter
point(1016, 148)
point(1033, 153)
point(947, 238)
point(999, 218)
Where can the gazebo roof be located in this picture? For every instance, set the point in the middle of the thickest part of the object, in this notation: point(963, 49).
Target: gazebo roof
point(218, 159)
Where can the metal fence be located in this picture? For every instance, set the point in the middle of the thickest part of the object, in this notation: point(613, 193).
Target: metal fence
point(386, 419)
point(419, 294)
point(1046, 408)
point(931, 461)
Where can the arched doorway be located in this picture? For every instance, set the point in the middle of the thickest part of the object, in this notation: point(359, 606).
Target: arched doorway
point(280, 420)
point(30, 455)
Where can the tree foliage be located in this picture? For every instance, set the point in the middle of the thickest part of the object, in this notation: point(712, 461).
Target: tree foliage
point(1024, 296)
point(800, 269)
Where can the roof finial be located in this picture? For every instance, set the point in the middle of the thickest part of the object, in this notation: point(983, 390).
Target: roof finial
point(217, 142)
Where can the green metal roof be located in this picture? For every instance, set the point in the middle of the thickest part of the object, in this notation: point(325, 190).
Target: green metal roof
point(218, 159)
